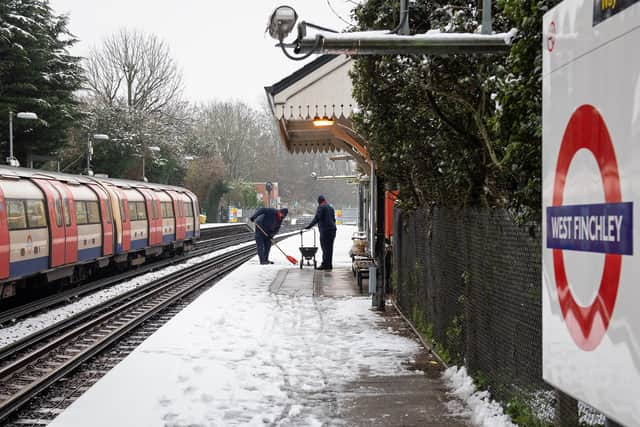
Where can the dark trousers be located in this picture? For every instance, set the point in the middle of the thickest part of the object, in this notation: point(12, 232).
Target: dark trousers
point(326, 243)
point(263, 246)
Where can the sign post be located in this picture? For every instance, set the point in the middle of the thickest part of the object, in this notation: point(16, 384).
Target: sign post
point(591, 183)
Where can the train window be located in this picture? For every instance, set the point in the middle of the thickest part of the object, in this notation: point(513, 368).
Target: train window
point(59, 213)
point(81, 213)
point(93, 213)
point(15, 215)
point(154, 210)
point(142, 212)
point(133, 214)
point(67, 213)
point(189, 207)
point(35, 214)
point(123, 212)
point(167, 210)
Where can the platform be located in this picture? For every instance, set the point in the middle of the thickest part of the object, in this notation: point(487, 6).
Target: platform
point(275, 345)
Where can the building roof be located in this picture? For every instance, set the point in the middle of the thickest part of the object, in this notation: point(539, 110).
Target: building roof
point(322, 88)
point(299, 74)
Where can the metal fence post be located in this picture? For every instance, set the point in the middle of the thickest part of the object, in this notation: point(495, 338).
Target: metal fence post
point(566, 414)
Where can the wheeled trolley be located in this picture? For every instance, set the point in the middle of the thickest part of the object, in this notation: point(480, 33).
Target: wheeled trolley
point(308, 252)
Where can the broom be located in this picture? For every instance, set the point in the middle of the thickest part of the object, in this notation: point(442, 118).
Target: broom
point(291, 259)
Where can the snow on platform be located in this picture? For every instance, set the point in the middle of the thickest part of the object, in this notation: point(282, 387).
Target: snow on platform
point(219, 224)
point(242, 355)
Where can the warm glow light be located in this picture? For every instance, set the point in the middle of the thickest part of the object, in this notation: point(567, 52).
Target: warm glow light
point(324, 121)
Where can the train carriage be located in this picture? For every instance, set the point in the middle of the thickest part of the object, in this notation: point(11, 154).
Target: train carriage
point(26, 231)
point(57, 226)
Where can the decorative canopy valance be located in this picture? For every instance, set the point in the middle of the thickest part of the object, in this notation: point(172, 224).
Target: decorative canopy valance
point(320, 89)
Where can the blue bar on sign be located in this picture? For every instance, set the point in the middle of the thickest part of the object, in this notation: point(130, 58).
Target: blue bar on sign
point(604, 228)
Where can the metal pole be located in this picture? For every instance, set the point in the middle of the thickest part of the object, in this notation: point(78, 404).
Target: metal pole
point(404, 18)
point(143, 165)
point(10, 137)
point(486, 17)
point(88, 154)
point(372, 214)
point(380, 246)
point(391, 44)
point(360, 207)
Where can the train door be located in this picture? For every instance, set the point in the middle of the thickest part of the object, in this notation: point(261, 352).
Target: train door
point(154, 217)
point(57, 234)
point(168, 217)
point(123, 204)
point(196, 214)
point(105, 218)
point(4, 238)
point(70, 226)
point(190, 219)
point(179, 212)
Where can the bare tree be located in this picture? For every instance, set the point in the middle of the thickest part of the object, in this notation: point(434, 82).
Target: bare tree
point(136, 68)
point(232, 130)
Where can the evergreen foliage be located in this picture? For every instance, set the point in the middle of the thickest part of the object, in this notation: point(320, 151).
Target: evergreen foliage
point(457, 130)
point(37, 74)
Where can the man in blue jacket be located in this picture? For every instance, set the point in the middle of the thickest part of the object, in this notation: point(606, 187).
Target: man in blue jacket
point(326, 220)
point(269, 219)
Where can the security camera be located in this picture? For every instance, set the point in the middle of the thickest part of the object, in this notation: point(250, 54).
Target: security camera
point(282, 22)
point(314, 175)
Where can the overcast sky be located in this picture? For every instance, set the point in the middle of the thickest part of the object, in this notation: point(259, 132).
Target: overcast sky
point(221, 46)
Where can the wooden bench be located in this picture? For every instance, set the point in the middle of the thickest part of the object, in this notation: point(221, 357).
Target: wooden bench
point(360, 267)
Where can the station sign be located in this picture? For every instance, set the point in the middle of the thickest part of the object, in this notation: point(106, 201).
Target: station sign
point(591, 196)
point(234, 214)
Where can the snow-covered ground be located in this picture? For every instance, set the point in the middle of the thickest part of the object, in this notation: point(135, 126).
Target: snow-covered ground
point(240, 355)
point(476, 404)
point(215, 225)
point(24, 327)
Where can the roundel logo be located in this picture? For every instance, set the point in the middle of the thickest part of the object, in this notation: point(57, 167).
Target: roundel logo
point(605, 228)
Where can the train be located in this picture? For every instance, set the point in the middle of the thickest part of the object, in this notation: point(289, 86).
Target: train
point(62, 228)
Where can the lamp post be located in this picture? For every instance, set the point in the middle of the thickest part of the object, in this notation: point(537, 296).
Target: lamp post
point(12, 161)
point(90, 139)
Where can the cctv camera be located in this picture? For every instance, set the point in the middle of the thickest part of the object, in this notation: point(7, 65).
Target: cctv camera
point(282, 22)
point(314, 175)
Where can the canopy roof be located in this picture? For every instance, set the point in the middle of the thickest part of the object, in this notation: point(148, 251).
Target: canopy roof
point(321, 88)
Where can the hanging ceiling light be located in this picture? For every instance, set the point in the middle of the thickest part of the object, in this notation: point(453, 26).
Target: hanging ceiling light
point(323, 121)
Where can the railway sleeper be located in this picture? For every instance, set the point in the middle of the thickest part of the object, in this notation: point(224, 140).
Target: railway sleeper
point(29, 378)
point(32, 422)
point(50, 411)
point(63, 357)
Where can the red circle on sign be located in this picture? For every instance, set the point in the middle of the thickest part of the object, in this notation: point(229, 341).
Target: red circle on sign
point(587, 129)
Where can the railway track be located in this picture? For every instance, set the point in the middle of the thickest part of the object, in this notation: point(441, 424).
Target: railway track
point(31, 366)
point(203, 247)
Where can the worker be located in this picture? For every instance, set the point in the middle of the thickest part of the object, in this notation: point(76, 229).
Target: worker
point(268, 222)
point(326, 219)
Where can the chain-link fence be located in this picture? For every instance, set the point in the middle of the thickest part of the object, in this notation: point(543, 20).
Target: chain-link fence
point(470, 280)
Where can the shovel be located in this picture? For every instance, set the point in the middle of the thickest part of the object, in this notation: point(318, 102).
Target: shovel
point(291, 259)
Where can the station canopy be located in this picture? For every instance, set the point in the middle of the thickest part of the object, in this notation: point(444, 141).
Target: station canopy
point(320, 90)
